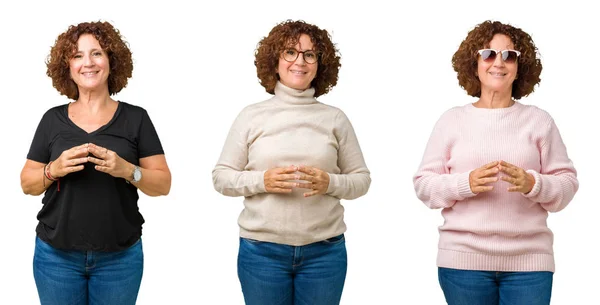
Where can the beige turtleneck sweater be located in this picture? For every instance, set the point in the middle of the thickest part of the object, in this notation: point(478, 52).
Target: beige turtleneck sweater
point(291, 128)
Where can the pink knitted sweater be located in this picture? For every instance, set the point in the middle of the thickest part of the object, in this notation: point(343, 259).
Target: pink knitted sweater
point(496, 230)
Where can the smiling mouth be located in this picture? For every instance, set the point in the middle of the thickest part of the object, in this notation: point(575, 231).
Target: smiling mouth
point(90, 73)
point(297, 72)
point(497, 74)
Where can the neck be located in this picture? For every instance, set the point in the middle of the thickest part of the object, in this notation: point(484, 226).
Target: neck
point(93, 101)
point(494, 99)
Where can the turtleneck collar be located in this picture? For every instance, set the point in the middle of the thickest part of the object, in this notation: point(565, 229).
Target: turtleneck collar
point(294, 96)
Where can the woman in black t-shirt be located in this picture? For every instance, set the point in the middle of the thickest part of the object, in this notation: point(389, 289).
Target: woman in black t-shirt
point(89, 157)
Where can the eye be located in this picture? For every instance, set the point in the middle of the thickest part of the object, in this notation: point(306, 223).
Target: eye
point(310, 54)
point(290, 52)
point(97, 53)
point(77, 56)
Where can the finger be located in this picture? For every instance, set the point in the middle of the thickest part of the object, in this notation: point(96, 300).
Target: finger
point(483, 181)
point(97, 161)
point(307, 178)
point(311, 193)
point(305, 185)
point(78, 152)
point(509, 171)
point(490, 165)
point(481, 189)
point(95, 151)
point(84, 145)
point(280, 190)
point(72, 169)
point(285, 185)
point(510, 180)
point(308, 170)
point(98, 147)
point(487, 173)
point(514, 189)
point(103, 169)
point(286, 177)
point(286, 170)
point(504, 163)
point(77, 161)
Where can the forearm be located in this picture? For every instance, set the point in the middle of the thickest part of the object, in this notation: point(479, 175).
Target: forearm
point(154, 182)
point(230, 182)
point(349, 186)
point(442, 190)
point(34, 182)
point(553, 192)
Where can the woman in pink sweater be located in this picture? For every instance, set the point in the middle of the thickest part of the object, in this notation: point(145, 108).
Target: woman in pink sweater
point(496, 167)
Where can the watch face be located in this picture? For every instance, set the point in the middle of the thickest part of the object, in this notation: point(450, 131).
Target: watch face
point(137, 174)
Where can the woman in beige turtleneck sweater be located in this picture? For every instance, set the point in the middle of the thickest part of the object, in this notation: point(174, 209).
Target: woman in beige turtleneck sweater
point(293, 159)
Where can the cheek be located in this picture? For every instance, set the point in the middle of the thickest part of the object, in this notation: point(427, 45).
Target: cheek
point(282, 66)
point(104, 63)
point(73, 71)
point(314, 70)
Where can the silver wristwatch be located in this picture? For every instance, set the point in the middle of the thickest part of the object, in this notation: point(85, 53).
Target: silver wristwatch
point(137, 174)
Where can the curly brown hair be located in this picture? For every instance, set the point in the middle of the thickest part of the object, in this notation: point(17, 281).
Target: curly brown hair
point(287, 34)
point(119, 57)
point(465, 59)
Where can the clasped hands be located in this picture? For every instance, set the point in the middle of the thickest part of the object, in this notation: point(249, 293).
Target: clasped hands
point(107, 161)
point(279, 180)
point(480, 178)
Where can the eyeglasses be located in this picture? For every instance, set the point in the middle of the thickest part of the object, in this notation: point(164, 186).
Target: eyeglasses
point(508, 56)
point(310, 56)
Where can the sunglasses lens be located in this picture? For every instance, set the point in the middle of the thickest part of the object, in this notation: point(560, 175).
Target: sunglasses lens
point(488, 55)
point(509, 56)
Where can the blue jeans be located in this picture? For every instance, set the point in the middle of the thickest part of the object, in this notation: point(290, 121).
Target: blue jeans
point(495, 288)
point(87, 277)
point(275, 274)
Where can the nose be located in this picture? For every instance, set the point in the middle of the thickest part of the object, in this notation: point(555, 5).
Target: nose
point(499, 62)
point(300, 60)
point(87, 61)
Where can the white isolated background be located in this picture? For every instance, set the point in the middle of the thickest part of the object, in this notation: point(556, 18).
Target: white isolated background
point(194, 71)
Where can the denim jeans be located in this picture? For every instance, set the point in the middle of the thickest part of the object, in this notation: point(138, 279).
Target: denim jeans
point(275, 274)
point(87, 277)
point(495, 288)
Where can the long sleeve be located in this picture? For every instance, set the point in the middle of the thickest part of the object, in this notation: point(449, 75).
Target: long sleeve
point(354, 178)
point(434, 185)
point(556, 183)
point(230, 176)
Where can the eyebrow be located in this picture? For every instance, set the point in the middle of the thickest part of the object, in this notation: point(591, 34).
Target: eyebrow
point(293, 48)
point(92, 50)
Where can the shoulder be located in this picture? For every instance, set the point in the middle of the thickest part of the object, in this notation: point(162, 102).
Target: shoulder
point(454, 114)
point(256, 109)
point(60, 109)
point(55, 112)
point(536, 113)
point(131, 109)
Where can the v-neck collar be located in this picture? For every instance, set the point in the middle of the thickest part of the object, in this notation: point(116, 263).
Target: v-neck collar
point(99, 129)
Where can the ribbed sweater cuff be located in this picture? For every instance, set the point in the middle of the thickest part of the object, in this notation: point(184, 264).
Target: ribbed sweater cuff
point(464, 187)
point(258, 181)
point(537, 186)
point(334, 183)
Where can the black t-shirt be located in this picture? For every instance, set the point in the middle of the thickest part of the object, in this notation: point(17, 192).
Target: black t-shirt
point(93, 211)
